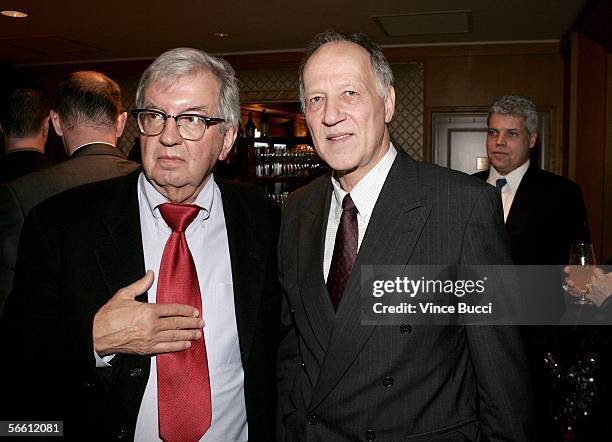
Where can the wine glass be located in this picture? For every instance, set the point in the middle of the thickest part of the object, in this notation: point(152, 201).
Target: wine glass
point(582, 264)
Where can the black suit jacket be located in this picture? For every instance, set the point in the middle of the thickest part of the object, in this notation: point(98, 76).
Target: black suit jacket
point(21, 162)
point(90, 163)
point(77, 250)
point(340, 380)
point(546, 216)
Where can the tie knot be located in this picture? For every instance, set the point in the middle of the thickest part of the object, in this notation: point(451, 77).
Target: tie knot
point(178, 216)
point(500, 183)
point(348, 204)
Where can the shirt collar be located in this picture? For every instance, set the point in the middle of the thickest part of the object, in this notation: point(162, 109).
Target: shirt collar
point(91, 142)
point(513, 179)
point(154, 199)
point(366, 191)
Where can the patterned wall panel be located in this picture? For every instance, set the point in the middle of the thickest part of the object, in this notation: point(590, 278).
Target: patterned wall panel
point(130, 133)
point(406, 128)
point(268, 85)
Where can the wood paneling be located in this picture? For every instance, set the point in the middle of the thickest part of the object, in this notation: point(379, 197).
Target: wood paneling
point(478, 80)
point(588, 130)
point(607, 183)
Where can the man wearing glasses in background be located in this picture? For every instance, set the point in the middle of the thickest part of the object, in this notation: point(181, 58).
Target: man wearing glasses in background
point(152, 299)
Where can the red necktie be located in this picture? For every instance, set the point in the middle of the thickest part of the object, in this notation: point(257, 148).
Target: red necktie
point(345, 251)
point(183, 385)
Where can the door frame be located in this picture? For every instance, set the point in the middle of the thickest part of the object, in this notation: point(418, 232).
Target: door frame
point(550, 156)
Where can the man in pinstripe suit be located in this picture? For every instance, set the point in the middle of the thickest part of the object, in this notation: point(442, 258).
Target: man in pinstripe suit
point(341, 380)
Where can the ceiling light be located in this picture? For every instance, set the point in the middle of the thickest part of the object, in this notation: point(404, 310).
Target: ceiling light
point(221, 34)
point(14, 14)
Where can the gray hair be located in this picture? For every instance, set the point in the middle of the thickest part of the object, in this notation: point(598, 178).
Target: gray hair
point(380, 65)
point(181, 62)
point(516, 106)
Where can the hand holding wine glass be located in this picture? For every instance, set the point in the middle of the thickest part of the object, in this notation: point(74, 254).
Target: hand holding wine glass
point(601, 286)
point(580, 271)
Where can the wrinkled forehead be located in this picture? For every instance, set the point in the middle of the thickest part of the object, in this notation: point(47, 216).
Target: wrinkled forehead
point(338, 62)
point(338, 57)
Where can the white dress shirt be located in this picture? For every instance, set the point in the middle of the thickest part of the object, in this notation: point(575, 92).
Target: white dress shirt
point(364, 195)
point(207, 240)
point(513, 179)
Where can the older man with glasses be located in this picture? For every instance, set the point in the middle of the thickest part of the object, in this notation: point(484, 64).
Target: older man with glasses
point(152, 299)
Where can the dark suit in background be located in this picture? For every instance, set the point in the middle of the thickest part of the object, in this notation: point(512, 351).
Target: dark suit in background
point(546, 217)
point(21, 162)
point(397, 382)
point(24, 123)
point(90, 163)
point(88, 116)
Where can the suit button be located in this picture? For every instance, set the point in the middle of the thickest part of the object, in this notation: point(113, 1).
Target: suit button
point(388, 381)
point(370, 434)
point(312, 419)
point(135, 372)
point(405, 329)
point(302, 365)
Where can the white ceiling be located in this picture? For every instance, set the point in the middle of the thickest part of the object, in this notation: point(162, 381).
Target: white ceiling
point(71, 30)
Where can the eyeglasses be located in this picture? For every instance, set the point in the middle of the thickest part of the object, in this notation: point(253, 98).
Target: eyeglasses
point(191, 127)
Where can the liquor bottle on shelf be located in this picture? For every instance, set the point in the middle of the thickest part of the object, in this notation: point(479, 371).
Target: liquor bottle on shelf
point(263, 123)
point(250, 127)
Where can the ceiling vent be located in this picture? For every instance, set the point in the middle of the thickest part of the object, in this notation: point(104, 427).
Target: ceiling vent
point(425, 23)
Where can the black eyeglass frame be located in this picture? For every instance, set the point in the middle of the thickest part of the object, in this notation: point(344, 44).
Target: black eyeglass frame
point(208, 121)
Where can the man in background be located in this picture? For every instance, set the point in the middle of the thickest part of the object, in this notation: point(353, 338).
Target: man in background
point(88, 116)
point(24, 121)
point(544, 213)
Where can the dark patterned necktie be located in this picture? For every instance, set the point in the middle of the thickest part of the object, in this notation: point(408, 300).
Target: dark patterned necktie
point(500, 183)
point(345, 251)
point(183, 384)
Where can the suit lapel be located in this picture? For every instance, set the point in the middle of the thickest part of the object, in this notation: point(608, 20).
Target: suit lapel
point(120, 255)
point(523, 205)
point(314, 295)
point(393, 231)
point(248, 264)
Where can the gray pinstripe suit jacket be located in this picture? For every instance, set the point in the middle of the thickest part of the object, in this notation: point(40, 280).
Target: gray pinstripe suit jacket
point(340, 380)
